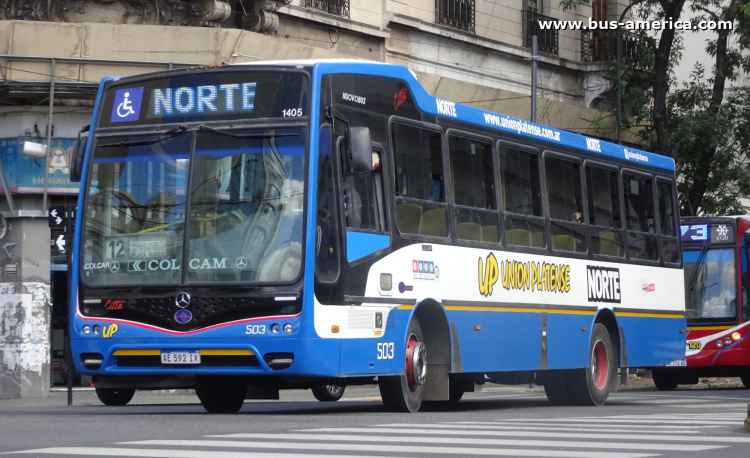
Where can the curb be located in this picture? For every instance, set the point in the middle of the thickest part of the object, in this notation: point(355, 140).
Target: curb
point(747, 420)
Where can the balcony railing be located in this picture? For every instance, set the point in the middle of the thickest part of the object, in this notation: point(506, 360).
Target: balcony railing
point(546, 39)
point(337, 7)
point(599, 46)
point(456, 13)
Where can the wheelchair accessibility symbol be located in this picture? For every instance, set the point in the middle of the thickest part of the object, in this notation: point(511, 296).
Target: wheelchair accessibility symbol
point(127, 106)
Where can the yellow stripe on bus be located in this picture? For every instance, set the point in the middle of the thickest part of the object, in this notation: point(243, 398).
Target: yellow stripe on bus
point(650, 315)
point(709, 328)
point(206, 352)
point(467, 308)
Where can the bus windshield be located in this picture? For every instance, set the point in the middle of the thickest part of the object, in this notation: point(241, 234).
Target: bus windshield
point(710, 284)
point(235, 197)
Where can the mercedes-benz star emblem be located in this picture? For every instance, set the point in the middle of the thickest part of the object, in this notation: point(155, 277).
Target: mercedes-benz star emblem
point(114, 267)
point(241, 262)
point(182, 300)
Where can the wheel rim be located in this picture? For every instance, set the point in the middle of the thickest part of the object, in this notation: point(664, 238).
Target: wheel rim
point(599, 365)
point(333, 389)
point(416, 363)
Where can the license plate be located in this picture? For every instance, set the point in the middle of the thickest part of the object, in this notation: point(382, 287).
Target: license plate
point(181, 357)
point(679, 363)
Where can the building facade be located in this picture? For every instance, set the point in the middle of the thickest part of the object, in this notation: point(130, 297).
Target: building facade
point(53, 54)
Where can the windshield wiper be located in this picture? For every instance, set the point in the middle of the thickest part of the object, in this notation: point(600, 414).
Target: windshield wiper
point(245, 136)
point(150, 141)
point(701, 263)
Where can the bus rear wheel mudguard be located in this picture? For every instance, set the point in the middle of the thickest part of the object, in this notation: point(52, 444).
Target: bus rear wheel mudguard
point(590, 386)
point(404, 393)
point(115, 396)
point(220, 394)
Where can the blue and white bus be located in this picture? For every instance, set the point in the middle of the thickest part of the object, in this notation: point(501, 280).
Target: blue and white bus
point(318, 224)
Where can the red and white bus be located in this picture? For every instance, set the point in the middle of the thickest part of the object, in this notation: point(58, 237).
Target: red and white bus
point(717, 309)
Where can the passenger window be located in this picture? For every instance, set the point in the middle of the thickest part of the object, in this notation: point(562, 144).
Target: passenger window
point(475, 209)
point(420, 189)
point(605, 223)
point(524, 224)
point(565, 205)
point(667, 222)
point(639, 217)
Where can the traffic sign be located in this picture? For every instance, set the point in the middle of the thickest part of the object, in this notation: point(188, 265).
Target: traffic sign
point(59, 242)
point(57, 216)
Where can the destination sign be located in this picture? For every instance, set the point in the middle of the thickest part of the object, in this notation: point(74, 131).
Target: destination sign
point(707, 233)
point(210, 96)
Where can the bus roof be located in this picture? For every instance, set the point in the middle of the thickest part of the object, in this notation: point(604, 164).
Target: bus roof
point(465, 113)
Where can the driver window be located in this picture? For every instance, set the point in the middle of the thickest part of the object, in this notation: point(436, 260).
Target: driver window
point(363, 196)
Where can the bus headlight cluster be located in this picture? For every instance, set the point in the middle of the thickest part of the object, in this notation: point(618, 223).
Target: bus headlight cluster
point(288, 328)
point(736, 336)
point(727, 340)
point(275, 328)
point(86, 330)
point(719, 343)
point(96, 330)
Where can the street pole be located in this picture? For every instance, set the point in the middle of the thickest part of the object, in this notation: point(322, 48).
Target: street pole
point(49, 132)
point(533, 78)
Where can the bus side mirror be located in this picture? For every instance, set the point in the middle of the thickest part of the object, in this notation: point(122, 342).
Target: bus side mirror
point(360, 152)
point(79, 153)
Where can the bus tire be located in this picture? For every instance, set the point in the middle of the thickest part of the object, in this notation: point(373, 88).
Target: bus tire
point(404, 393)
point(665, 380)
point(115, 396)
point(328, 393)
point(556, 389)
point(220, 394)
point(590, 386)
point(746, 380)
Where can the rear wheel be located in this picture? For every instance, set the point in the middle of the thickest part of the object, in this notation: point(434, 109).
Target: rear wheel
point(665, 380)
point(404, 393)
point(590, 386)
point(115, 396)
point(221, 394)
point(328, 393)
point(746, 380)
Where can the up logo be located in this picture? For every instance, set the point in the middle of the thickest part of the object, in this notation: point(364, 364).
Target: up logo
point(110, 330)
point(488, 275)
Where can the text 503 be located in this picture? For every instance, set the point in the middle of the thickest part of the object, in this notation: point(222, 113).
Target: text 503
point(385, 350)
point(255, 329)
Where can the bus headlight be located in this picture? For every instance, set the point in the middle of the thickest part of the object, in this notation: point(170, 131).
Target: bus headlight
point(736, 336)
point(719, 343)
point(96, 330)
point(86, 329)
point(275, 328)
point(727, 340)
point(288, 328)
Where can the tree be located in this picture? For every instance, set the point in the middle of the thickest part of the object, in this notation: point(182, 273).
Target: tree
point(699, 125)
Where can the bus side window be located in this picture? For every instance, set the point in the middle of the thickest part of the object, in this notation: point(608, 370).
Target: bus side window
point(605, 223)
point(363, 198)
point(475, 209)
point(524, 222)
point(420, 190)
point(565, 205)
point(639, 216)
point(667, 222)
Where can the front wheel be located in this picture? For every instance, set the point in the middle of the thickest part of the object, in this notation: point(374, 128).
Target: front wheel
point(328, 393)
point(404, 393)
point(115, 396)
point(665, 380)
point(221, 394)
point(590, 386)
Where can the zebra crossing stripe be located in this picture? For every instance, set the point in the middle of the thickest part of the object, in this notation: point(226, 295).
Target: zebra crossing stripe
point(165, 453)
point(541, 427)
point(470, 441)
point(410, 449)
point(623, 420)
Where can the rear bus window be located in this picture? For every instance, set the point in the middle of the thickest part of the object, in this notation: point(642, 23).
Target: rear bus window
point(639, 217)
point(667, 222)
point(524, 224)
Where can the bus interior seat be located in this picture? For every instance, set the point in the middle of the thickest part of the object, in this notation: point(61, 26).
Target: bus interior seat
point(609, 243)
point(537, 239)
point(563, 242)
point(409, 217)
point(469, 231)
point(489, 234)
point(518, 237)
point(433, 223)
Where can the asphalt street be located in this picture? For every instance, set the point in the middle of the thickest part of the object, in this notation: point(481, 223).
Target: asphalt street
point(500, 421)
